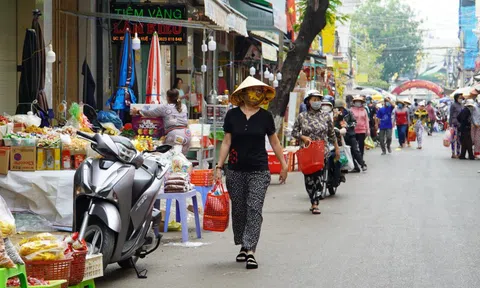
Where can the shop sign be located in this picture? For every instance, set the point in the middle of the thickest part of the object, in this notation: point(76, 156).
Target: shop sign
point(167, 34)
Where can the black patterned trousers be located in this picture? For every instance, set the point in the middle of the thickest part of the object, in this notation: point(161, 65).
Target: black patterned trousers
point(247, 192)
point(313, 185)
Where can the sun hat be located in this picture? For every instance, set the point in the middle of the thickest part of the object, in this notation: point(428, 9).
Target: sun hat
point(421, 103)
point(358, 98)
point(407, 102)
point(339, 103)
point(236, 97)
point(470, 103)
point(311, 93)
point(326, 102)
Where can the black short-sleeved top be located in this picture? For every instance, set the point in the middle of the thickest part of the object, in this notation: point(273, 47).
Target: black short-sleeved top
point(247, 150)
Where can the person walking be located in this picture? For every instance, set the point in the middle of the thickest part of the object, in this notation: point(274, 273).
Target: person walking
point(455, 109)
point(313, 125)
point(421, 118)
point(476, 128)
point(432, 117)
point(248, 175)
point(384, 116)
point(362, 129)
point(347, 120)
point(465, 130)
point(411, 115)
point(402, 122)
point(372, 113)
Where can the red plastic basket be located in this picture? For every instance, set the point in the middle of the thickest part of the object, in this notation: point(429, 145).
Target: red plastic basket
point(51, 270)
point(217, 210)
point(311, 159)
point(77, 270)
point(274, 164)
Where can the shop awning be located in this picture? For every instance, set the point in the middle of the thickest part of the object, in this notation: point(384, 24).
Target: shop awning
point(225, 16)
point(237, 22)
point(217, 12)
point(262, 15)
point(172, 22)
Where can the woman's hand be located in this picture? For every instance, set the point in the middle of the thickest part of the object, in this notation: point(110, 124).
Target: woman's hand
point(134, 111)
point(283, 175)
point(337, 153)
point(306, 140)
point(218, 174)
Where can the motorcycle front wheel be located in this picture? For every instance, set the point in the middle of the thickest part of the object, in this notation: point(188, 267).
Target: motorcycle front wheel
point(100, 239)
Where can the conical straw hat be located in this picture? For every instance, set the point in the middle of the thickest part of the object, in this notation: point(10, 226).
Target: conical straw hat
point(236, 97)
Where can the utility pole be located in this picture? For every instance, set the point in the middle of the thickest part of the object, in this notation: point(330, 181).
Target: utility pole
point(462, 60)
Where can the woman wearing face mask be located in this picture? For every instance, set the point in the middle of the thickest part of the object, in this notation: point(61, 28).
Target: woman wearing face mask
point(402, 121)
point(455, 110)
point(312, 125)
point(248, 176)
point(362, 130)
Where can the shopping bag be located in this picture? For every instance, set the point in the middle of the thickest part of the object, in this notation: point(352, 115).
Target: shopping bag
point(396, 133)
point(217, 209)
point(7, 222)
point(412, 135)
point(369, 143)
point(311, 159)
point(448, 137)
point(346, 153)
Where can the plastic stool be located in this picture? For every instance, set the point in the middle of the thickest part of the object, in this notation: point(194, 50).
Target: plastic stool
point(181, 201)
point(85, 284)
point(20, 272)
point(203, 190)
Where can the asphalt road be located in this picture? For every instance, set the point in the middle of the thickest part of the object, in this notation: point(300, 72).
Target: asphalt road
point(412, 220)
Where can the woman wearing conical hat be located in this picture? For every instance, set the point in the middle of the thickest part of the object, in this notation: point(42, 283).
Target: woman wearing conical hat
point(248, 175)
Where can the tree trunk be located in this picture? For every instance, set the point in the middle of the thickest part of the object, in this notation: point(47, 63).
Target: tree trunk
point(313, 23)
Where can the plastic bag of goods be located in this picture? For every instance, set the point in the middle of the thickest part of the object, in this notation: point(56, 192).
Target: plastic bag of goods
point(180, 163)
point(5, 261)
point(448, 138)
point(43, 250)
point(7, 222)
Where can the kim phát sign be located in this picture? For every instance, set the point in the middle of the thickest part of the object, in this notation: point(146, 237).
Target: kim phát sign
point(167, 34)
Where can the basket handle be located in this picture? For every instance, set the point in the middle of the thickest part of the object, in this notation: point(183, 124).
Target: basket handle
point(218, 185)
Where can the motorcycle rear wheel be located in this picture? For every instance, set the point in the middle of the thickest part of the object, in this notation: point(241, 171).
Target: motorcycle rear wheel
point(100, 239)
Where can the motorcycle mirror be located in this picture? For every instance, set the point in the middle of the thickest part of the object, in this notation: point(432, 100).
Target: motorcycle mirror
point(163, 148)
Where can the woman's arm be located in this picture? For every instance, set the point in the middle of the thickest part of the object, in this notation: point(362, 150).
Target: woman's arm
point(158, 111)
point(297, 129)
point(278, 149)
point(224, 149)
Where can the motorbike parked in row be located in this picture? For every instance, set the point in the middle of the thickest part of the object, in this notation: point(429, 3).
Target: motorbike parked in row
point(114, 200)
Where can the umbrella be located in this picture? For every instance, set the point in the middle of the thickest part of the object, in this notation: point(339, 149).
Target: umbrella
point(27, 92)
point(39, 58)
point(88, 85)
point(154, 72)
point(124, 96)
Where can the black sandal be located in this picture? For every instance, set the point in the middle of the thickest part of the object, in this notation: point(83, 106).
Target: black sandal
point(316, 211)
point(242, 256)
point(251, 262)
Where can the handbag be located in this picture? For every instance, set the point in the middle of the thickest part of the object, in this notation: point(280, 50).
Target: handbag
point(311, 158)
point(217, 209)
point(369, 143)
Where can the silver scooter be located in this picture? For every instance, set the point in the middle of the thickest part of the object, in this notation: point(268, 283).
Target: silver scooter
point(114, 200)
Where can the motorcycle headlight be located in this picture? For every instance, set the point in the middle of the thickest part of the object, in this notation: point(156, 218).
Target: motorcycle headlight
point(125, 154)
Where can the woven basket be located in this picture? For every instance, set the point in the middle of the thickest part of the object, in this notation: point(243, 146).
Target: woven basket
point(51, 270)
point(77, 270)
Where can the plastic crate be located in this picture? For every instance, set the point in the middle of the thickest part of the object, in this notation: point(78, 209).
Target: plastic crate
point(274, 164)
point(53, 284)
point(93, 267)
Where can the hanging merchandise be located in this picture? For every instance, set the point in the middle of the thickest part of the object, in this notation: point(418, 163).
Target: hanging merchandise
point(252, 71)
point(212, 45)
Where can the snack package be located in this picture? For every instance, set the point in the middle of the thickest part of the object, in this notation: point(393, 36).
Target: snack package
point(180, 164)
point(38, 237)
point(7, 222)
point(43, 250)
point(5, 261)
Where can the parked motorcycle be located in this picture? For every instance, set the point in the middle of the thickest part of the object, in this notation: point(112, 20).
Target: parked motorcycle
point(114, 200)
point(331, 177)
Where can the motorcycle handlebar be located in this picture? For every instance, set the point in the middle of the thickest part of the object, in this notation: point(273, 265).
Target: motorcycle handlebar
point(86, 136)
